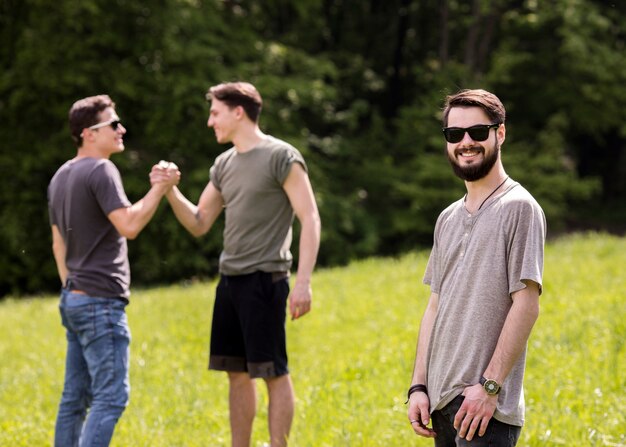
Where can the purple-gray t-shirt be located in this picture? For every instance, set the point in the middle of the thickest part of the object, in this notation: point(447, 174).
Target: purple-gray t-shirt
point(80, 196)
point(477, 262)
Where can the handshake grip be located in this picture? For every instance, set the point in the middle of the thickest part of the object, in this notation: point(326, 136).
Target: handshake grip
point(165, 173)
point(167, 165)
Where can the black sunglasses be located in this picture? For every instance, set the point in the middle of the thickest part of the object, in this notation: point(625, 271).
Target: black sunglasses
point(479, 132)
point(113, 123)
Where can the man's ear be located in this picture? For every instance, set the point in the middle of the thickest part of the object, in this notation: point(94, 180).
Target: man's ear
point(501, 133)
point(239, 112)
point(87, 134)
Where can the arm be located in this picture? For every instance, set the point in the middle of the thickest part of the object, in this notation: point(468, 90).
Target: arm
point(298, 189)
point(129, 221)
point(419, 404)
point(59, 251)
point(199, 219)
point(478, 407)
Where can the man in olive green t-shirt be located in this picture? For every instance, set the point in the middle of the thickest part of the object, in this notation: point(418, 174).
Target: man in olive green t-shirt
point(261, 182)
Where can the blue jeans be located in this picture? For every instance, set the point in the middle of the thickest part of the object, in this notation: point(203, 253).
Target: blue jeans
point(498, 433)
point(97, 387)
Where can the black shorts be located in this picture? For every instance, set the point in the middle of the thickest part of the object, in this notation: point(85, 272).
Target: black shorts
point(248, 331)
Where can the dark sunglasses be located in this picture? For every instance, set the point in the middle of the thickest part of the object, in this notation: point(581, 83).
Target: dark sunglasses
point(113, 123)
point(479, 132)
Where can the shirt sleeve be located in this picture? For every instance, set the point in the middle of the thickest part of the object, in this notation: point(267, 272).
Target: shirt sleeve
point(106, 185)
point(282, 160)
point(527, 227)
point(432, 275)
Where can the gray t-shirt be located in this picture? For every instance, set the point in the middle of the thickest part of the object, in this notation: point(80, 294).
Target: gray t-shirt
point(257, 232)
point(477, 261)
point(80, 196)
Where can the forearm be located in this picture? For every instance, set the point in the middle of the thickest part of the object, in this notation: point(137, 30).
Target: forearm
point(59, 258)
point(59, 251)
point(423, 341)
point(308, 248)
point(197, 219)
point(186, 212)
point(141, 212)
point(514, 336)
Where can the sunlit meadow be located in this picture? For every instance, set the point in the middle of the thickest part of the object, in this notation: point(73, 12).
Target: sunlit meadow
point(351, 359)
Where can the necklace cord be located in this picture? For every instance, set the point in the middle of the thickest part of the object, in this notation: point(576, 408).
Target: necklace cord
point(492, 193)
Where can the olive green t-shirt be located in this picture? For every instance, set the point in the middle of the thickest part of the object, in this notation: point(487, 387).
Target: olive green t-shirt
point(477, 261)
point(259, 216)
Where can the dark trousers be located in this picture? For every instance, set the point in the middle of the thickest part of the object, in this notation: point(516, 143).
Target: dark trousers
point(498, 433)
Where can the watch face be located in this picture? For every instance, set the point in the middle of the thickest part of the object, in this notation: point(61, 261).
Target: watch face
point(491, 386)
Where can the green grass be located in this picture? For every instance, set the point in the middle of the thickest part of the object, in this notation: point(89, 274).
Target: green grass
point(351, 359)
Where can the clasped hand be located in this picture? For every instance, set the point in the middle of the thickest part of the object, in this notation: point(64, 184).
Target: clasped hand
point(165, 173)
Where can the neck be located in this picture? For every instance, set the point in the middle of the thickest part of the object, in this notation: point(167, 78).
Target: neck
point(248, 139)
point(480, 190)
point(87, 151)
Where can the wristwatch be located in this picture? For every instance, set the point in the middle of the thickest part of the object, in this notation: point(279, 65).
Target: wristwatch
point(491, 386)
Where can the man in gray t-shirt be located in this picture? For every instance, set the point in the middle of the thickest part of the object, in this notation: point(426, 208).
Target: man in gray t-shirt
point(91, 218)
point(260, 183)
point(485, 275)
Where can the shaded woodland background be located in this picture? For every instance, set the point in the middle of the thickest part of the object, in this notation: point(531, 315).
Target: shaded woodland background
point(356, 85)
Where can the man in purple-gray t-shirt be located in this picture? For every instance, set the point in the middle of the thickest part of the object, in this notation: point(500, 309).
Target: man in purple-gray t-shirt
point(91, 218)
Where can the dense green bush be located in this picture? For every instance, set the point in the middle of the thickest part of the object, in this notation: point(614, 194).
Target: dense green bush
point(356, 86)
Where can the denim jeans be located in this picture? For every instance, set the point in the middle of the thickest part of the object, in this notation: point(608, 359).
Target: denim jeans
point(498, 433)
point(97, 387)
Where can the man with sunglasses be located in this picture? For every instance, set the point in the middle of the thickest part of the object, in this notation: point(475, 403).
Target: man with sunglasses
point(485, 274)
point(91, 219)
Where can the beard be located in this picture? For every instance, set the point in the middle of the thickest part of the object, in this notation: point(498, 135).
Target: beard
point(475, 171)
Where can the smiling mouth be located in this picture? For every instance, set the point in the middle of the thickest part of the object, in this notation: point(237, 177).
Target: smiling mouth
point(468, 152)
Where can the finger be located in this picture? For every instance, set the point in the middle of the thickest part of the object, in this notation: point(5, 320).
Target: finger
point(425, 417)
point(471, 430)
point(422, 430)
point(459, 417)
point(465, 425)
point(293, 310)
point(483, 426)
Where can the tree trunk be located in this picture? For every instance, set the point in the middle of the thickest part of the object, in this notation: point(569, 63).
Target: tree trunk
point(444, 12)
point(472, 36)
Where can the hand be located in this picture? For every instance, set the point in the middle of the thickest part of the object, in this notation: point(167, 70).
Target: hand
point(476, 411)
point(419, 414)
point(165, 173)
point(300, 300)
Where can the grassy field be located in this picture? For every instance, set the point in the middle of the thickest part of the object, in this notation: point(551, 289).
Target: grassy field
point(351, 359)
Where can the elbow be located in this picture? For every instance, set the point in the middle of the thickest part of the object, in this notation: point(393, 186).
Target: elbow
point(530, 312)
point(197, 234)
point(130, 233)
point(313, 221)
point(535, 312)
point(197, 230)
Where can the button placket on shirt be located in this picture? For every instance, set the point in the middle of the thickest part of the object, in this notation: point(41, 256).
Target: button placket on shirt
point(468, 222)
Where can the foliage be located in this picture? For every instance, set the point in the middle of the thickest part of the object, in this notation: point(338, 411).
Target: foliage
point(351, 358)
point(356, 85)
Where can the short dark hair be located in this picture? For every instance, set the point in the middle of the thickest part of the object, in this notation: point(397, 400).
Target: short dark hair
point(487, 101)
point(85, 113)
point(235, 94)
